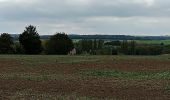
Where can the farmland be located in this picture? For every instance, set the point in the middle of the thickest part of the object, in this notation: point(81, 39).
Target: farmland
point(166, 42)
point(50, 77)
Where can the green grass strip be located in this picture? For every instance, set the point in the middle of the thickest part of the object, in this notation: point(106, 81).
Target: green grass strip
point(128, 75)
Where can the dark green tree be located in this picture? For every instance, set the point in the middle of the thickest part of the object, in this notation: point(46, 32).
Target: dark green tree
point(124, 47)
point(18, 48)
point(59, 44)
point(6, 44)
point(100, 44)
point(95, 44)
point(132, 47)
point(30, 40)
point(87, 45)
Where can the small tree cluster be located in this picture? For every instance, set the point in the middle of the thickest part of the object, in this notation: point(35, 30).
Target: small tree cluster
point(30, 43)
point(89, 46)
point(132, 48)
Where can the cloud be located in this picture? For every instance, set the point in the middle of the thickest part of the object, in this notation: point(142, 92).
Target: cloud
point(87, 16)
point(145, 2)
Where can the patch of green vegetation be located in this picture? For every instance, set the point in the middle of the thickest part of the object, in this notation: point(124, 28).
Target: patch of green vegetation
point(127, 75)
point(166, 42)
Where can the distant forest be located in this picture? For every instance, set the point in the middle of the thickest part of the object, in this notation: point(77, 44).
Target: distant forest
point(106, 37)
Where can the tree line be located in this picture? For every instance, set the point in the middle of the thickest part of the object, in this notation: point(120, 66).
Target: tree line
point(29, 42)
point(118, 37)
point(120, 47)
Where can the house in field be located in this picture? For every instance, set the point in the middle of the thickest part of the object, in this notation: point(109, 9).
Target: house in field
point(72, 52)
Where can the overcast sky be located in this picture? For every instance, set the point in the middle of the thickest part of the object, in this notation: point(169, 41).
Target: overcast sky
point(130, 17)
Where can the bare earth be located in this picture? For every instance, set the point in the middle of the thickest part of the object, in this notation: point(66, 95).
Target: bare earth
point(71, 85)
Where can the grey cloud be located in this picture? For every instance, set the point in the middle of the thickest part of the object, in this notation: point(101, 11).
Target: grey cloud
point(87, 16)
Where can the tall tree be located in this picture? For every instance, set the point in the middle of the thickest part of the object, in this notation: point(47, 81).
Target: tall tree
point(30, 40)
point(95, 44)
point(124, 47)
point(132, 47)
point(6, 43)
point(100, 44)
point(59, 44)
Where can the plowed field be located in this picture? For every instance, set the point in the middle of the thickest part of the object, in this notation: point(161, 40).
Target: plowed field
point(84, 77)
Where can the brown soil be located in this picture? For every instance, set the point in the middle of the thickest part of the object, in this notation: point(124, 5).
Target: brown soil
point(123, 65)
point(89, 86)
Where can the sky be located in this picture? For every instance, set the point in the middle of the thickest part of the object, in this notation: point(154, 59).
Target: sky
point(110, 17)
